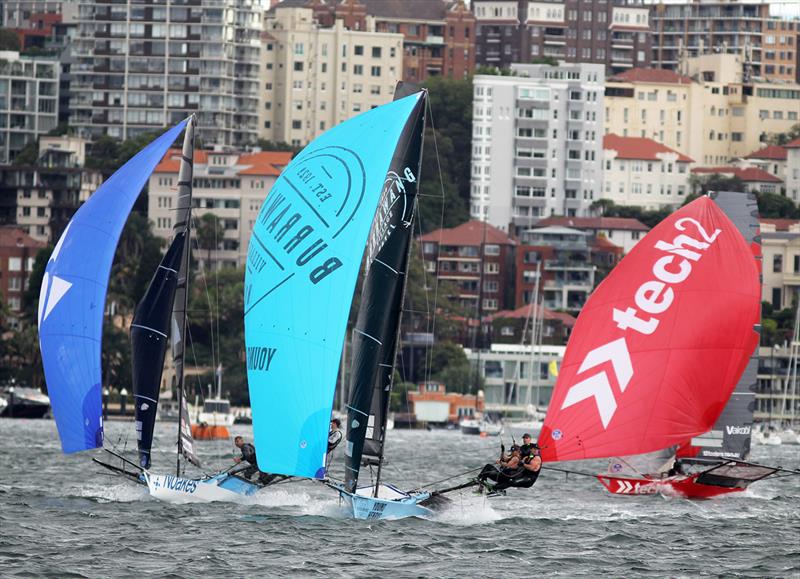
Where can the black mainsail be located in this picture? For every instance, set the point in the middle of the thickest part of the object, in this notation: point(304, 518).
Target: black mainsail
point(149, 335)
point(376, 333)
point(183, 218)
point(730, 437)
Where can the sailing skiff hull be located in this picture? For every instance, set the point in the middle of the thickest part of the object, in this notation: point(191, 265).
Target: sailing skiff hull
point(682, 486)
point(391, 503)
point(222, 487)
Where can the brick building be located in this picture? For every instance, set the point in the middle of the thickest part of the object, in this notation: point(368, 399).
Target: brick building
point(614, 33)
point(479, 258)
point(17, 254)
point(438, 34)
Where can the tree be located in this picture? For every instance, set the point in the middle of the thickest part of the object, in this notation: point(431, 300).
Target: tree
point(103, 154)
point(138, 254)
point(450, 366)
point(28, 155)
point(776, 206)
point(783, 138)
point(9, 40)
point(267, 145)
point(440, 203)
point(601, 206)
point(703, 184)
point(208, 233)
point(494, 70)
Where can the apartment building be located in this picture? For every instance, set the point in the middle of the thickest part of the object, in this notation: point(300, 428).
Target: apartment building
point(567, 271)
point(516, 326)
point(313, 78)
point(753, 178)
point(41, 198)
point(614, 33)
point(767, 44)
point(780, 247)
point(771, 159)
point(479, 259)
point(140, 67)
point(229, 185)
point(639, 171)
point(537, 143)
point(517, 377)
point(727, 117)
point(793, 170)
point(623, 232)
point(17, 255)
point(438, 35)
point(29, 92)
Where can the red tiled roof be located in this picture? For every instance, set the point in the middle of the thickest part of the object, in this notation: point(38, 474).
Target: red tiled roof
point(602, 243)
point(780, 224)
point(654, 75)
point(792, 144)
point(12, 236)
point(639, 148)
point(775, 152)
point(525, 312)
point(264, 163)
point(626, 223)
point(470, 233)
point(749, 175)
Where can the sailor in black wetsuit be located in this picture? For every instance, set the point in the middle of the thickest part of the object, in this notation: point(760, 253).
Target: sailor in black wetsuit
point(500, 472)
point(520, 471)
point(249, 456)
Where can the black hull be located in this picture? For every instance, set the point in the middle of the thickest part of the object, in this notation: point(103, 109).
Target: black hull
point(24, 410)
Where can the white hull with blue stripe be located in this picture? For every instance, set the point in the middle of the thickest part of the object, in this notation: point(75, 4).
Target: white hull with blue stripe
point(391, 502)
point(220, 487)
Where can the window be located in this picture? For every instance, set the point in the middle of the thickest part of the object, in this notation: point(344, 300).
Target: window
point(491, 250)
point(376, 71)
point(297, 124)
point(777, 263)
point(14, 264)
point(358, 50)
point(376, 52)
point(358, 69)
point(298, 66)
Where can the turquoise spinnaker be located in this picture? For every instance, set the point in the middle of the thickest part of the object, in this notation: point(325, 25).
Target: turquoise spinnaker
point(73, 296)
point(303, 261)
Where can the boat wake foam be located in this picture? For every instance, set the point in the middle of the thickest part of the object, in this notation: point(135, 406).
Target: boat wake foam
point(114, 493)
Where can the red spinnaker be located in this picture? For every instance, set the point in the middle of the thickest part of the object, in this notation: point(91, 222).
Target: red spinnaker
point(660, 344)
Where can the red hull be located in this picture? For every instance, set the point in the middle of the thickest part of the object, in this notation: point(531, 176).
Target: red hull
point(683, 486)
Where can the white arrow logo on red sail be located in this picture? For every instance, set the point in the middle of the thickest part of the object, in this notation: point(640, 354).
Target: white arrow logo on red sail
point(624, 487)
point(598, 386)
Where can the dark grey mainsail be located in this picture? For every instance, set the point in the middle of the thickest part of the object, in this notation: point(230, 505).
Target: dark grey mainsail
point(183, 217)
point(375, 335)
point(149, 335)
point(730, 437)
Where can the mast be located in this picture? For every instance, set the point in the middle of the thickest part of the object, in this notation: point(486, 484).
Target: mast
point(183, 216)
point(376, 333)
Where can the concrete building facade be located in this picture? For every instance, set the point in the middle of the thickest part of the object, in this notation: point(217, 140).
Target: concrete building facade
point(140, 67)
point(537, 144)
point(229, 185)
point(615, 33)
point(639, 171)
point(707, 113)
point(17, 255)
point(793, 170)
point(313, 78)
point(767, 44)
point(29, 91)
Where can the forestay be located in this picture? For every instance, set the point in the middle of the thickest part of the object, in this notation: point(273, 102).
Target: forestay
point(73, 294)
point(303, 260)
point(660, 344)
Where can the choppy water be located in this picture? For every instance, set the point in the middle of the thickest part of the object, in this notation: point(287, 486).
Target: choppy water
point(61, 516)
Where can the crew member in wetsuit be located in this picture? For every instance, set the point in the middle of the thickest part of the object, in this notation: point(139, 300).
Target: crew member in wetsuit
point(249, 456)
point(502, 470)
point(527, 445)
point(334, 435)
point(531, 465)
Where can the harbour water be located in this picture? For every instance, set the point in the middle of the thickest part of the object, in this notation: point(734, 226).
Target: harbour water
point(62, 516)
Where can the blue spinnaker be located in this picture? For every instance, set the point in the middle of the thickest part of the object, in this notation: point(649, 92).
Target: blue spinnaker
point(73, 295)
point(303, 261)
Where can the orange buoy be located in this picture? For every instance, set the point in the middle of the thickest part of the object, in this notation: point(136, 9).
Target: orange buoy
point(206, 432)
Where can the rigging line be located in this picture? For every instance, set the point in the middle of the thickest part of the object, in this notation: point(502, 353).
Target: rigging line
point(219, 340)
point(436, 482)
point(441, 232)
point(210, 316)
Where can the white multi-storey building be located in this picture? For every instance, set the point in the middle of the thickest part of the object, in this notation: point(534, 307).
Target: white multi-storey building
point(314, 78)
point(141, 66)
point(793, 170)
point(229, 185)
point(639, 171)
point(28, 101)
point(536, 143)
